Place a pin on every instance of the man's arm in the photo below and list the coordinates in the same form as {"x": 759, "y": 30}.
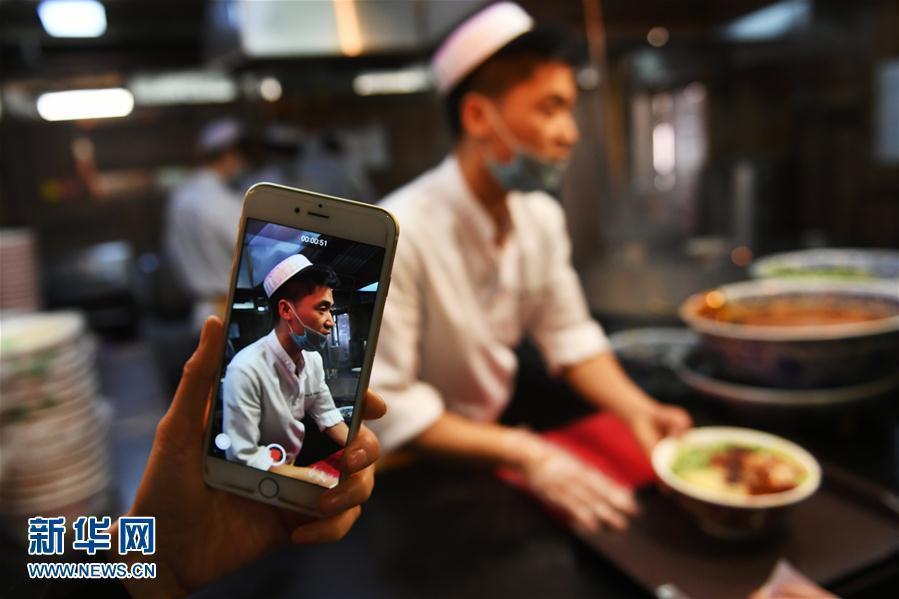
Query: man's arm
{"x": 322, "y": 408}
{"x": 576, "y": 350}
{"x": 241, "y": 418}
{"x": 338, "y": 433}
{"x": 603, "y": 383}
{"x": 484, "y": 443}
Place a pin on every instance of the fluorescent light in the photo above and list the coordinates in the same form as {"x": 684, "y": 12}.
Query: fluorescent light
{"x": 349, "y": 35}
{"x": 406, "y": 81}
{"x": 372, "y": 288}
{"x": 85, "y": 104}
{"x": 72, "y": 18}
{"x": 771, "y": 21}
{"x": 187, "y": 87}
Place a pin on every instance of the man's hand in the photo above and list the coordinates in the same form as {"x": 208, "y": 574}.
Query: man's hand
{"x": 202, "y": 533}
{"x": 588, "y": 497}
{"x": 655, "y": 421}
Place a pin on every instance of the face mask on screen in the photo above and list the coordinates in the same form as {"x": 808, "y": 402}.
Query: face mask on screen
{"x": 310, "y": 340}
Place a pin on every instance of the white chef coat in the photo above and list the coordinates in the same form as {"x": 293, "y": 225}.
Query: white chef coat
{"x": 202, "y": 221}
{"x": 459, "y": 304}
{"x": 265, "y": 400}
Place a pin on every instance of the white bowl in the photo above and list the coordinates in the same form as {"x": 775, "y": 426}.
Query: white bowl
{"x": 728, "y": 515}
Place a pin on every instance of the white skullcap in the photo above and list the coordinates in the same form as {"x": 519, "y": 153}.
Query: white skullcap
{"x": 218, "y": 135}
{"x": 476, "y": 40}
{"x": 285, "y": 269}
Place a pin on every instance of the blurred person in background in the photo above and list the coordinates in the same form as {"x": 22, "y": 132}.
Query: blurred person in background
{"x": 203, "y": 217}
{"x": 484, "y": 259}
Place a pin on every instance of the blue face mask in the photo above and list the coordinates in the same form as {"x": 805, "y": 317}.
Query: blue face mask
{"x": 526, "y": 172}
{"x": 310, "y": 340}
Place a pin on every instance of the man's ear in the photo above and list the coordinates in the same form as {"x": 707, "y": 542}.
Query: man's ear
{"x": 473, "y": 115}
{"x": 282, "y": 308}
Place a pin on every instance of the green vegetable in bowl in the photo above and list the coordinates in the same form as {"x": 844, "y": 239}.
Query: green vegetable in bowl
{"x": 737, "y": 469}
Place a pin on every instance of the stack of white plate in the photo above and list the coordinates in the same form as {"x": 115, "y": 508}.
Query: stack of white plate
{"x": 54, "y": 428}
{"x": 18, "y": 271}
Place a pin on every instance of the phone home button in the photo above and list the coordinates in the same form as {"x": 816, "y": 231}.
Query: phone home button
{"x": 268, "y": 488}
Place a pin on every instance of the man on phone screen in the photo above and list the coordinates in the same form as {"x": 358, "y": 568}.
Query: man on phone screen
{"x": 271, "y": 384}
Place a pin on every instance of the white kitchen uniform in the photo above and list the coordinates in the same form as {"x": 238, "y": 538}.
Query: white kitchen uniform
{"x": 202, "y": 221}
{"x": 459, "y": 304}
{"x": 265, "y": 400}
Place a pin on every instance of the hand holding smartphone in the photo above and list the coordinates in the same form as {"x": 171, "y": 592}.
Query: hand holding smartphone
{"x": 309, "y": 281}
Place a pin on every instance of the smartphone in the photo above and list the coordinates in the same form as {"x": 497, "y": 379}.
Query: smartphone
{"x": 308, "y": 284}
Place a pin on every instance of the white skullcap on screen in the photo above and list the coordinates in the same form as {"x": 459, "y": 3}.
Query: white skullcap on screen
{"x": 476, "y": 40}
{"x": 285, "y": 269}
{"x": 218, "y": 135}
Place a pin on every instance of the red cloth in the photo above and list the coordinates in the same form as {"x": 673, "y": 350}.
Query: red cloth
{"x": 329, "y": 465}
{"x": 605, "y": 442}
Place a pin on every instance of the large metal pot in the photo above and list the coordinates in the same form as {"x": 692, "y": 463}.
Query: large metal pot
{"x": 799, "y": 355}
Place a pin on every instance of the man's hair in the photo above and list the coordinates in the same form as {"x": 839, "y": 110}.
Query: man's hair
{"x": 513, "y": 63}
{"x": 302, "y": 284}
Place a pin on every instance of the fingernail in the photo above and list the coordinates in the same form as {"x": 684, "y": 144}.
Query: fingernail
{"x": 357, "y": 458}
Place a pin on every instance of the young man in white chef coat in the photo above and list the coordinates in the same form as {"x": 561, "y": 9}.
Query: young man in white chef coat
{"x": 203, "y": 217}
{"x": 484, "y": 261}
{"x": 271, "y": 384}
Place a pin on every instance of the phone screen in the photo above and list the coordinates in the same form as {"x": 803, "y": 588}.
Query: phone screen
{"x": 299, "y": 325}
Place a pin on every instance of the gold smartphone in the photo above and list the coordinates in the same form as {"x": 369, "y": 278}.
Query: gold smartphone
{"x": 308, "y": 285}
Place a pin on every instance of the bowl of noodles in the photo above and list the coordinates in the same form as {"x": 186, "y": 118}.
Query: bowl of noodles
{"x": 799, "y": 334}
{"x": 736, "y": 483}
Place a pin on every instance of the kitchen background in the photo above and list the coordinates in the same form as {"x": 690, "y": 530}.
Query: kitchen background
{"x": 713, "y": 132}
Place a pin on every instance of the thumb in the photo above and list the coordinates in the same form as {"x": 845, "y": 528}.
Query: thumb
{"x": 184, "y": 419}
